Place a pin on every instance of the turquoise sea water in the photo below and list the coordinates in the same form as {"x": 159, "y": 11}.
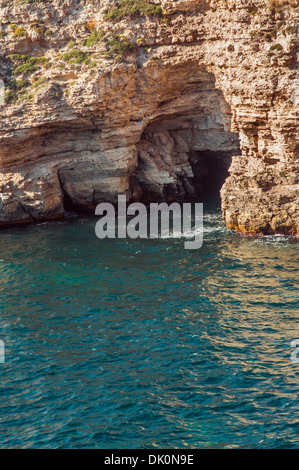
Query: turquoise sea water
{"x": 143, "y": 344}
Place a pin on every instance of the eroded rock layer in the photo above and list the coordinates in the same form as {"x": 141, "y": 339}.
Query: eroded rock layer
{"x": 151, "y": 103}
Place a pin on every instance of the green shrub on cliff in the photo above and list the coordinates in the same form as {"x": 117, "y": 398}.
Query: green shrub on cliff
{"x": 125, "y": 8}
{"x": 281, "y": 3}
{"x": 94, "y": 38}
{"x": 15, "y": 90}
{"x": 118, "y": 47}
{"x": 31, "y": 65}
{"x": 291, "y": 30}
{"x": 10, "y": 97}
{"x": 276, "y": 47}
{"x": 24, "y": 64}
{"x": 76, "y": 56}
{"x": 20, "y": 33}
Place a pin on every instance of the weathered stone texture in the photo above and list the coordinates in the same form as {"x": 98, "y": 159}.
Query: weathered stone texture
{"x": 212, "y": 76}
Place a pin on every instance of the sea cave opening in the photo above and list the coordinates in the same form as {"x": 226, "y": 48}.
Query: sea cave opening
{"x": 177, "y": 146}
{"x": 186, "y": 162}
{"x": 210, "y": 169}
{"x": 187, "y": 144}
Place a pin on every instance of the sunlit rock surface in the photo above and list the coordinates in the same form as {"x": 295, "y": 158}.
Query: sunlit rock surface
{"x": 151, "y": 106}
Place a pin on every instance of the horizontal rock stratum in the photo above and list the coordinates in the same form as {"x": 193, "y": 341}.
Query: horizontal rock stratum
{"x": 138, "y": 98}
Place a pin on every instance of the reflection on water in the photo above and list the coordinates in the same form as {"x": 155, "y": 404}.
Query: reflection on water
{"x": 142, "y": 344}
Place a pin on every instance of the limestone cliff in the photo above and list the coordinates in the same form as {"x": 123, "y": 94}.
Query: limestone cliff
{"x": 151, "y": 100}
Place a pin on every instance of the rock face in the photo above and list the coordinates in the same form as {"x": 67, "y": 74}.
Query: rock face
{"x": 155, "y": 106}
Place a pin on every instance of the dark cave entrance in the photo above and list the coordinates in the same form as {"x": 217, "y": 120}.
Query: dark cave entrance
{"x": 186, "y": 148}
{"x": 176, "y": 144}
{"x": 173, "y": 167}
{"x": 210, "y": 169}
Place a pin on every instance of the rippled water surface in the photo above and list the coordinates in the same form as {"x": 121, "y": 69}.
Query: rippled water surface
{"x": 143, "y": 344}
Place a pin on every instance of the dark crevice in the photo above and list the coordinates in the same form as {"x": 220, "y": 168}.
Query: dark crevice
{"x": 210, "y": 169}
{"x": 69, "y": 207}
{"x": 68, "y": 204}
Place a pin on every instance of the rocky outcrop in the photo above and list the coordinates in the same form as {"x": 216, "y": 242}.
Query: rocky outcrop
{"x": 151, "y": 105}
